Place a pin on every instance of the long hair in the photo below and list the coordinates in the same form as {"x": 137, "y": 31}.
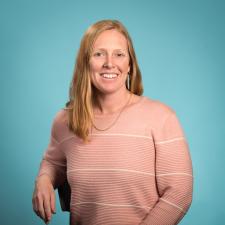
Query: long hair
{"x": 82, "y": 92}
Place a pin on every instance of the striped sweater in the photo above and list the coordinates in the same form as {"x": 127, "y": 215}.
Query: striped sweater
{"x": 138, "y": 172}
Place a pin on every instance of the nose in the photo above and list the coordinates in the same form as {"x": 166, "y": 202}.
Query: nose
{"x": 108, "y": 63}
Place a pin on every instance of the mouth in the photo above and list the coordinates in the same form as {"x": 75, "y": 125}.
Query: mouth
{"x": 109, "y": 76}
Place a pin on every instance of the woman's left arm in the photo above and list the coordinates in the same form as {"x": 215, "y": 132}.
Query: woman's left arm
{"x": 174, "y": 174}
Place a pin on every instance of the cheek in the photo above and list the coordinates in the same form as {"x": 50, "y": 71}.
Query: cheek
{"x": 95, "y": 66}
{"x": 125, "y": 67}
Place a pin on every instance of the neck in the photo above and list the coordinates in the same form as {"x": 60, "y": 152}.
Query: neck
{"x": 110, "y": 103}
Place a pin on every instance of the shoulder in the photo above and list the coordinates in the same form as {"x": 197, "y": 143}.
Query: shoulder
{"x": 155, "y": 112}
{"x": 59, "y": 123}
{"x": 157, "y": 107}
{"x": 60, "y": 116}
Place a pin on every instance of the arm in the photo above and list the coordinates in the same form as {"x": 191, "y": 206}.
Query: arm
{"x": 173, "y": 175}
{"x": 54, "y": 161}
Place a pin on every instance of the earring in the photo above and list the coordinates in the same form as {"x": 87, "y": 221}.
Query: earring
{"x": 128, "y": 81}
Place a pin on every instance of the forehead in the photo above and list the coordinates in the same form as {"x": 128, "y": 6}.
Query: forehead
{"x": 110, "y": 39}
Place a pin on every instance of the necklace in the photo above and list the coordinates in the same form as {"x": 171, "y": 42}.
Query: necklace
{"x": 116, "y": 117}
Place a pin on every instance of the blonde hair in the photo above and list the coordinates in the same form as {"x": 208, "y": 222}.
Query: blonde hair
{"x": 82, "y": 92}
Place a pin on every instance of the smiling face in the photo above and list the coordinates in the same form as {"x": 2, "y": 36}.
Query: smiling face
{"x": 109, "y": 62}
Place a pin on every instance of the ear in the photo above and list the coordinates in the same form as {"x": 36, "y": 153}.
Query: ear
{"x": 128, "y": 69}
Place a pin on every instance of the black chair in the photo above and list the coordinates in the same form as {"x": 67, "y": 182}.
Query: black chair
{"x": 64, "y": 192}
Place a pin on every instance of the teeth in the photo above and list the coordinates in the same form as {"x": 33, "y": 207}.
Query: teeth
{"x": 106, "y": 75}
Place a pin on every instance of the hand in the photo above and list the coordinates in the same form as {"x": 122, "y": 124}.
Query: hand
{"x": 43, "y": 199}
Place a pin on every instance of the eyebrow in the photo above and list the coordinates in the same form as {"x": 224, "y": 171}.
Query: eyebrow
{"x": 114, "y": 49}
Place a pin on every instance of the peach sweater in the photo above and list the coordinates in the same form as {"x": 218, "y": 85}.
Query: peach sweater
{"x": 139, "y": 172}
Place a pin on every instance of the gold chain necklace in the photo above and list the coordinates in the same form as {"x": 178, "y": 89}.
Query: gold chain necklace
{"x": 116, "y": 117}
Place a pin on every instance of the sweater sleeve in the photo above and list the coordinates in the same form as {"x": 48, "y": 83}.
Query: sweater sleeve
{"x": 54, "y": 161}
{"x": 174, "y": 175}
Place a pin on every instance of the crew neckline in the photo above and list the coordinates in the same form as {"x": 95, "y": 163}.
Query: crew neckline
{"x": 126, "y": 108}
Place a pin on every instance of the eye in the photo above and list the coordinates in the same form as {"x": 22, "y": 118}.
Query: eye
{"x": 98, "y": 54}
{"x": 120, "y": 54}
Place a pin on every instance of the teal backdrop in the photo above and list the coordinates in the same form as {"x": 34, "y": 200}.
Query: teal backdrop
{"x": 180, "y": 46}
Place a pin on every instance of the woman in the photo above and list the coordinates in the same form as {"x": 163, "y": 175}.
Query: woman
{"x": 124, "y": 155}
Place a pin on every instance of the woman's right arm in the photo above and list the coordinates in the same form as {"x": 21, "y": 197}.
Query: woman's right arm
{"x": 44, "y": 198}
{"x": 51, "y": 174}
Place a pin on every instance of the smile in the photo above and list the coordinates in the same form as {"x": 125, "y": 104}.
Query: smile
{"x": 109, "y": 75}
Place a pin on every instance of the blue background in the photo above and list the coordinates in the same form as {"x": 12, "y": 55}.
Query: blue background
{"x": 180, "y": 46}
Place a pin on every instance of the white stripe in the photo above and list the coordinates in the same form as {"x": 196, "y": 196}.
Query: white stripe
{"x": 52, "y": 161}
{"x": 171, "y": 140}
{"x": 169, "y": 174}
{"x": 115, "y": 205}
{"x": 121, "y": 170}
{"x": 131, "y": 171}
{"x": 121, "y": 134}
{"x": 67, "y": 138}
{"x": 170, "y": 203}
{"x": 54, "y": 140}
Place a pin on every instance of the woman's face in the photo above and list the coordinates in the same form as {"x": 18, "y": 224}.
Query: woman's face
{"x": 109, "y": 62}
